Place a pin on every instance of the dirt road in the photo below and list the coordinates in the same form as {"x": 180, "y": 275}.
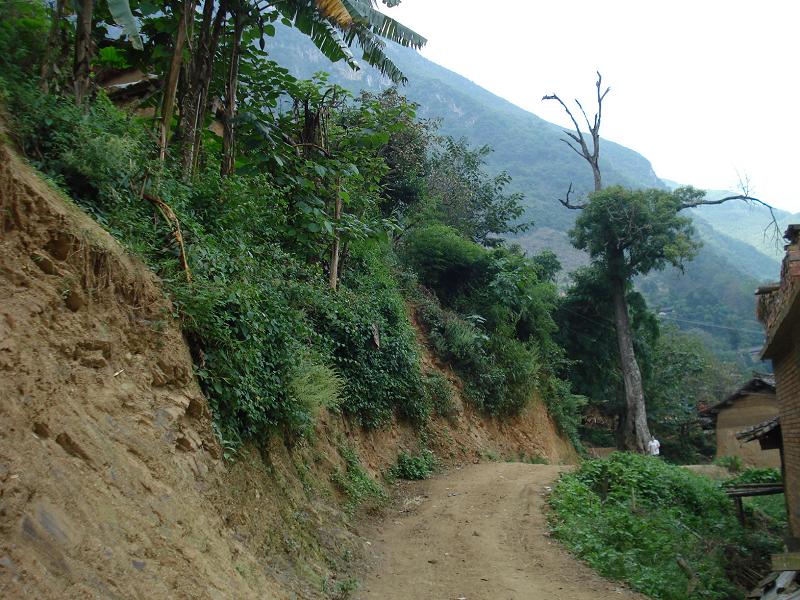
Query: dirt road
{"x": 478, "y": 533}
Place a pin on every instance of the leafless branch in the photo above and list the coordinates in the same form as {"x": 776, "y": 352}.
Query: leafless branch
{"x": 593, "y": 156}
{"x": 585, "y": 117}
{"x": 745, "y": 197}
{"x": 565, "y": 201}
{"x": 567, "y": 142}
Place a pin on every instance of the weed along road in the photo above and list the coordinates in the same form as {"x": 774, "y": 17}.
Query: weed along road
{"x": 478, "y": 533}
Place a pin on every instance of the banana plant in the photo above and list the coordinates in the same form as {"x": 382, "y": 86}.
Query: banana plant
{"x": 81, "y": 67}
{"x": 333, "y": 26}
{"x": 123, "y": 16}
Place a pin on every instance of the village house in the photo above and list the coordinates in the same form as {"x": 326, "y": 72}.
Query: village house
{"x": 779, "y": 311}
{"x": 752, "y": 404}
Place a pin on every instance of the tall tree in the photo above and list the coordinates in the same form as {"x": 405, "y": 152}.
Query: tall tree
{"x": 628, "y": 233}
{"x": 636, "y": 434}
{"x": 587, "y": 332}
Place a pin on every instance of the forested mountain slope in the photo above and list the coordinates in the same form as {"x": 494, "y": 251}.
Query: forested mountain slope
{"x": 716, "y": 289}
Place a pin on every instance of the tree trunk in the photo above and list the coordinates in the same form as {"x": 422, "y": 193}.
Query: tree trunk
{"x": 202, "y": 105}
{"x": 334, "y": 266}
{"x": 636, "y": 434}
{"x": 81, "y": 67}
{"x": 198, "y": 81}
{"x": 171, "y": 85}
{"x": 598, "y": 182}
{"x": 229, "y": 133}
{"x": 57, "y": 47}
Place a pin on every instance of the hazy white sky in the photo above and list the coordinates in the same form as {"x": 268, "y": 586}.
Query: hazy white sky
{"x": 705, "y": 89}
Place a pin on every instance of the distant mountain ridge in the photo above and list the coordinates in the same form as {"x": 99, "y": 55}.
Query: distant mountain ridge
{"x": 542, "y": 167}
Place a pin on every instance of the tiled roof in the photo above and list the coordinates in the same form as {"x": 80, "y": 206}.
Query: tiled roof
{"x": 756, "y": 431}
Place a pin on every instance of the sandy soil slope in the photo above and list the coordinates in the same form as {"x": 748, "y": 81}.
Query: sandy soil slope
{"x": 106, "y": 448}
{"x": 479, "y": 533}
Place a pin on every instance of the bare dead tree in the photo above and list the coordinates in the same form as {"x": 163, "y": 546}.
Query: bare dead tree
{"x": 636, "y": 433}
{"x": 582, "y": 149}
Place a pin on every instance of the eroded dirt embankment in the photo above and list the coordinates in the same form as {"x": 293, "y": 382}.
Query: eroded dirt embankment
{"x": 106, "y": 450}
{"x": 112, "y": 484}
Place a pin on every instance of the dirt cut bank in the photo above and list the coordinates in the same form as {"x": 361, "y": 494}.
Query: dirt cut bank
{"x": 106, "y": 448}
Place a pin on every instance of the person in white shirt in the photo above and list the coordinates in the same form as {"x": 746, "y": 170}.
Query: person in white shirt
{"x": 653, "y": 447}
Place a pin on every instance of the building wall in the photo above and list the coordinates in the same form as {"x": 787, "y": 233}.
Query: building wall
{"x": 746, "y": 411}
{"x": 787, "y": 377}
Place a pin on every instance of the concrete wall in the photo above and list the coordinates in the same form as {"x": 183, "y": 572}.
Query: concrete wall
{"x": 787, "y": 376}
{"x": 746, "y": 411}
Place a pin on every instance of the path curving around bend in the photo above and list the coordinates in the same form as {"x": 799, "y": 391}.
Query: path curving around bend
{"x": 478, "y": 533}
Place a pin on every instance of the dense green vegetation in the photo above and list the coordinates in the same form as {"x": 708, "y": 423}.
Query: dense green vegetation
{"x": 529, "y": 149}
{"x": 301, "y": 255}
{"x": 667, "y": 532}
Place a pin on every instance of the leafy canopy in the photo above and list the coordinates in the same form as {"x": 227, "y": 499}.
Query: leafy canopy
{"x": 645, "y": 225}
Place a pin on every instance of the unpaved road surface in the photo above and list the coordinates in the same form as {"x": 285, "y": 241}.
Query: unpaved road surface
{"x": 479, "y": 533}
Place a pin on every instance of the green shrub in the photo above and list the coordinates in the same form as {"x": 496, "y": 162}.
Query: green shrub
{"x": 636, "y": 518}
{"x": 23, "y": 36}
{"x": 734, "y": 464}
{"x": 446, "y": 262}
{"x": 415, "y": 466}
{"x": 316, "y": 386}
{"x": 365, "y": 329}
{"x": 565, "y": 407}
{"x": 441, "y": 394}
{"x": 500, "y": 373}
{"x": 756, "y": 475}
{"x": 355, "y": 482}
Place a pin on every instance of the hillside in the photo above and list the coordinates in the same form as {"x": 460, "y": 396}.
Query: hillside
{"x": 114, "y": 483}
{"x": 530, "y": 150}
